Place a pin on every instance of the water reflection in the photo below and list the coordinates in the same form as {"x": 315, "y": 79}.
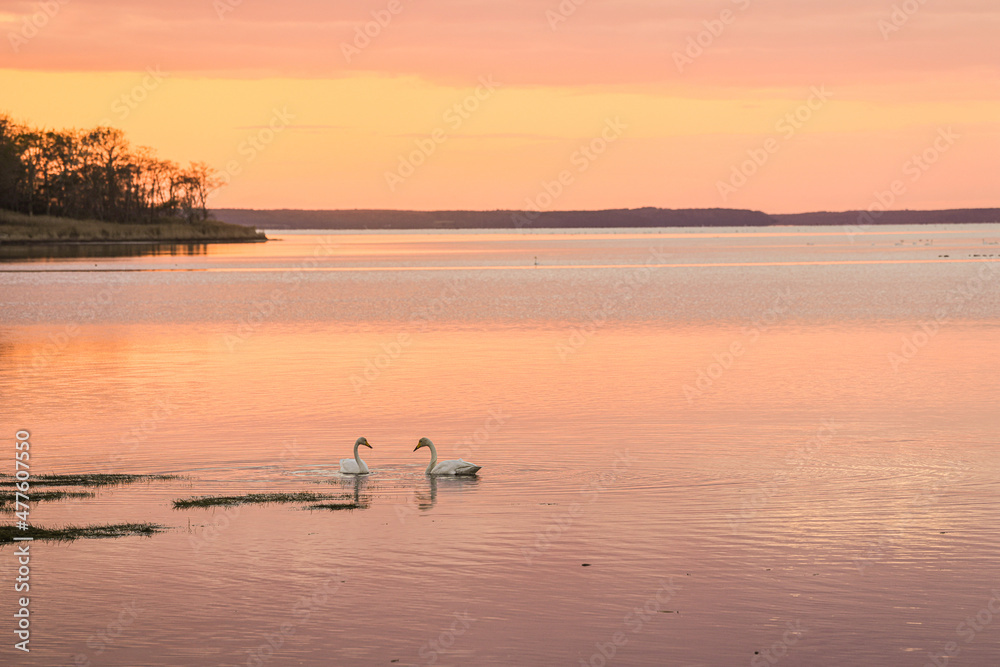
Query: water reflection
{"x": 362, "y": 501}
{"x": 730, "y": 483}
{"x": 46, "y": 252}
{"x": 426, "y": 499}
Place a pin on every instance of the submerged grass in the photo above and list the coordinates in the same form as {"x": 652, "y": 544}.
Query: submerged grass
{"x": 8, "y": 533}
{"x": 334, "y": 506}
{"x": 8, "y": 498}
{"x": 250, "y": 498}
{"x": 87, "y": 479}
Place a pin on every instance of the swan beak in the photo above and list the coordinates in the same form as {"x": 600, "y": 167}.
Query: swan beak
{"x": 419, "y": 445}
{"x": 367, "y": 445}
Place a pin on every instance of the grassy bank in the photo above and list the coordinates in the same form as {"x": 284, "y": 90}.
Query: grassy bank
{"x": 17, "y": 228}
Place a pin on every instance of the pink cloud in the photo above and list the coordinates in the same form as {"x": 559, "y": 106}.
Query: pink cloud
{"x": 769, "y": 43}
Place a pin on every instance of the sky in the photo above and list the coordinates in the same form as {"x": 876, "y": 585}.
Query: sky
{"x": 775, "y": 105}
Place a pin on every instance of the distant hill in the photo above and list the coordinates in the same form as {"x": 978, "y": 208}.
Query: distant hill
{"x": 952, "y": 216}
{"x": 636, "y": 217}
{"x": 380, "y": 219}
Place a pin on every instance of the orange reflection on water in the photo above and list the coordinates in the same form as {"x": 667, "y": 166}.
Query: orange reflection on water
{"x": 568, "y": 381}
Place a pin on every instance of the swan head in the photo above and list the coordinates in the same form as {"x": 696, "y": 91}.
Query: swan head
{"x": 362, "y": 441}
{"x": 423, "y": 442}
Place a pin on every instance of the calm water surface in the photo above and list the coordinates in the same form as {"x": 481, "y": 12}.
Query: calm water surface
{"x": 781, "y": 441}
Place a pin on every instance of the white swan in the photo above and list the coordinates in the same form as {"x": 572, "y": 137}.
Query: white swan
{"x": 356, "y": 466}
{"x": 452, "y": 467}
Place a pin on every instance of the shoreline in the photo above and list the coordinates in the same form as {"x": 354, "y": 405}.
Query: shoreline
{"x": 60, "y": 242}
{"x": 22, "y": 230}
{"x": 644, "y": 228}
{"x": 513, "y": 220}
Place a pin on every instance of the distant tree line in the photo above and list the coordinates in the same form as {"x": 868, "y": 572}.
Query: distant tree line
{"x": 636, "y": 217}
{"x": 498, "y": 219}
{"x": 96, "y": 174}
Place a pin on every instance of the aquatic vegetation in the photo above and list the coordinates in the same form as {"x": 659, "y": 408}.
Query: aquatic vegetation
{"x": 251, "y": 499}
{"x": 84, "y": 479}
{"x": 8, "y": 533}
{"x": 335, "y": 506}
{"x": 8, "y": 498}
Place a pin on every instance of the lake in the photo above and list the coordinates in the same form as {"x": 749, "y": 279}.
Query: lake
{"x": 698, "y": 447}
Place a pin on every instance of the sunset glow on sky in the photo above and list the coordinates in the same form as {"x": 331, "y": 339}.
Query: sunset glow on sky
{"x": 776, "y": 105}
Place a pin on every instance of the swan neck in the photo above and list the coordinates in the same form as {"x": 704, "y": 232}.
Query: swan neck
{"x": 356, "y": 457}
{"x": 434, "y": 457}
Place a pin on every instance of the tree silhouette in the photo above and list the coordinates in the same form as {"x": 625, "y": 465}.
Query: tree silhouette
{"x": 97, "y": 174}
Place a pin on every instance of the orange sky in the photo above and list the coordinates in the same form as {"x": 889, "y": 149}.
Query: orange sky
{"x": 612, "y": 104}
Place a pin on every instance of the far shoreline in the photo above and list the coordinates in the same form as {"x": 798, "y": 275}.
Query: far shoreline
{"x": 18, "y": 230}
{"x": 279, "y": 220}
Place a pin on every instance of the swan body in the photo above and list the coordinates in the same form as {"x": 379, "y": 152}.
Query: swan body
{"x": 450, "y": 467}
{"x": 356, "y": 466}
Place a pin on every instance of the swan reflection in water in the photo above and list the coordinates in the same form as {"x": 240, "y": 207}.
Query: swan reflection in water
{"x": 360, "y": 501}
{"x": 359, "y": 493}
{"x": 426, "y": 499}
